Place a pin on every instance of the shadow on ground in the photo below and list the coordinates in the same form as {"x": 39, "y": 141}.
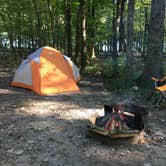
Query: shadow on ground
{"x": 41, "y": 131}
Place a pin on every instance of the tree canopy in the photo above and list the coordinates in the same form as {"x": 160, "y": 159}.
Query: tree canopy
{"x": 82, "y": 28}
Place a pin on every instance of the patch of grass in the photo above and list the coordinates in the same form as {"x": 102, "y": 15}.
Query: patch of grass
{"x": 107, "y": 68}
{"x": 118, "y": 81}
{"x": 10, "y": 62}
{"x": 93, "y": 69}
{"x": 114, "y": 84}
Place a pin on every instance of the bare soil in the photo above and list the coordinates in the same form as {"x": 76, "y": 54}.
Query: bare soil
{"x": 52, "y": 131}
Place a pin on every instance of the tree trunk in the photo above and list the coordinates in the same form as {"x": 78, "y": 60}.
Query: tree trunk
{"x": 122, "y": 27}
{"x": 68, "y": 32}
{"x": 77, "y": 37}
{"x": 52, "y": 22}
{"x": 114, "y": 24}
{"x": 39, "y": 25}
{"x": 11, "y": 41}
{"x": 91, "y": 28}
{"x": 19, "y": 41}
{"x": 130, "y": 28}
{"x": 31, "y": 32}
{"x": 83, "y": 35}
{"x": 154, "y": 60}
{"x": 145, "y": 32}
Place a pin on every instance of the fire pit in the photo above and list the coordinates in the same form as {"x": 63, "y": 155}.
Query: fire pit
{"x": 120, "y": 120}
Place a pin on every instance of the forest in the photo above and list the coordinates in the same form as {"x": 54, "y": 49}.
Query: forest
{"x": 87, "y": 29}
{"x": 117, "y": 53}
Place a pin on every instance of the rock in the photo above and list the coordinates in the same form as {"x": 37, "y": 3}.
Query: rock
{"x": 22, "y": 108}
{"x": 162, "y": 120}
{"x": 17, "y": 152}
{"x": 45, "y": 159}
{"x": 10, "y": 150}
{"x": 11, "y": 126}
{"x": 85, "y": 140}
{"x": 128, "y": 152}
{"x": 29, "y": 147}
{"x": 88, "y": 155}
{"x": 135, "y": 88}
{"x": 147, "y": 164}
{"x": 31, "y": 142}
{"x": 51, "y": 139}
{"x": 122, "y": 154}
{"x": 147, "y": 145}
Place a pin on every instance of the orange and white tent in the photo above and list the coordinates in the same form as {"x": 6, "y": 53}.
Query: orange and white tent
{"x": 47, "y": 72}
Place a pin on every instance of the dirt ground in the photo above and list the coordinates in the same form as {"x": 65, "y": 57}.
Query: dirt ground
{"x": 52, "y": 131}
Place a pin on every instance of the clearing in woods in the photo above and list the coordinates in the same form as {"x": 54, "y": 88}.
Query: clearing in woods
{"x": 37, "y": 130}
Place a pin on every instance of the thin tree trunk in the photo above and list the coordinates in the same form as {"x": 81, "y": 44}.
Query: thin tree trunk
{"x": 11, "y": 42}
{"x": 91, "y": 28}
{"x": 122, "y": 27}
{"x": 68, "y": 33}
{"x": 130, "y": 28}
{"x": 11, "y": 38}
{"x": 139, "y": 34}
{"x": 92, "y": 52}
{"x": 52, "y": 22}
{"x": 19, "y": 35}
{"x": 145, "y": 32}
{"x": 115, "y": 53}
{"x": 77, "y": 37}
{"x": 83, "y": 35}
{"x": 39, "y": 24}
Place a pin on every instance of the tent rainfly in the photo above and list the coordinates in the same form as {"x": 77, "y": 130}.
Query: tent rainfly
{"x": 47, "y": 72}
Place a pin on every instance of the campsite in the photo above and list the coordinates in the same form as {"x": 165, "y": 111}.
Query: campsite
{"x": 37, "y": 130}
{"x": 83, "y": 83}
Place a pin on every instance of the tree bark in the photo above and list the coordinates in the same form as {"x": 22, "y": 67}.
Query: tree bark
{"x": 68, "y": 32}
{"x": 52, "y": 22}
{"x": 91, "y": 28}
{"x": 11, "y": 41}
{"x": 114, "y": 24}
{"x": 39, "y": 25}
{"x": 154, "y": 60}
{"x": 130, "y": 28}
{"x": 19, "y": 34}
{"x": 83, "y": 35}
{"x": 145, "y": 32}
{"x": 31, "y": 33}
{"x": 122, "y": 44}
{"x": 77, "y": 37}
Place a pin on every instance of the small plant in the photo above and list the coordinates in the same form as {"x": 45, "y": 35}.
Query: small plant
{"x": 118, "y": 81}
{"x": 94, "y": 69}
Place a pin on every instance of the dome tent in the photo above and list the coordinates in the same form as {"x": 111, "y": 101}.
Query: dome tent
{"x": 47, "y": 71}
